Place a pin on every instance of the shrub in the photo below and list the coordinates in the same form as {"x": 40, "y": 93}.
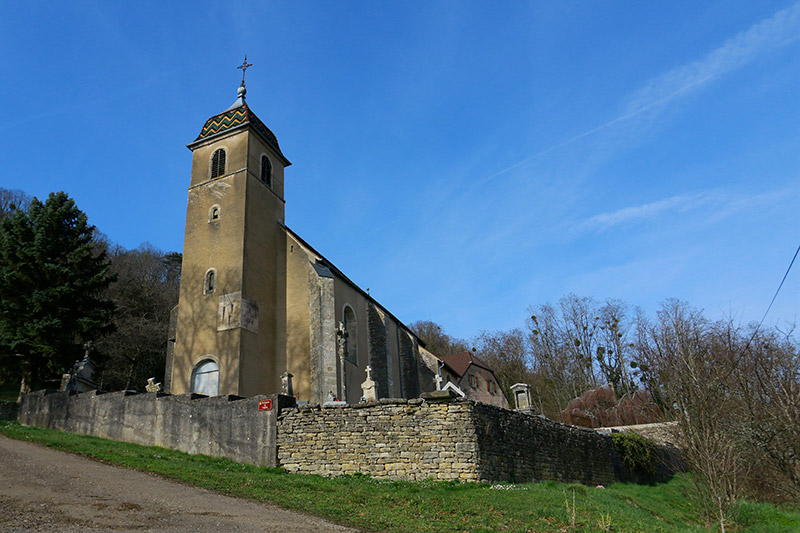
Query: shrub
{"x": 637, "y": 453}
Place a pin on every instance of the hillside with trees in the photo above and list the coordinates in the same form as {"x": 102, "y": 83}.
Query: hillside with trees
{"x": 63, "y": 284}
{"x": 732, "y": 390}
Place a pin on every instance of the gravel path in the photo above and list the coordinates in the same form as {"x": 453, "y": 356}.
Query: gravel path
{"x": 47, "y": 490}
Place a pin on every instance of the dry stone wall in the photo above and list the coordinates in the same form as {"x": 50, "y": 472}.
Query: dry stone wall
{"x": 520, "y": 447}
{"x": 392, "y": 439}
{"x": 463, "y": 440}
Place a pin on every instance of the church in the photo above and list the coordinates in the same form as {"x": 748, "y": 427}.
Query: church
{"x": 260, "y": 310}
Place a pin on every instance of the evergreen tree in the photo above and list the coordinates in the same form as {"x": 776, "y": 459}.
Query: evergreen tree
{"x": 52, "y": 280}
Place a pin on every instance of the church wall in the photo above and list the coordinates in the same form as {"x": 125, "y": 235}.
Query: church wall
{"x": 235, "y": 145}
{"x": 410, "y": 365}
{"x": 355, "y": 374}
{"x": 383, "y": 343}
{"x": 393, "y": 359}
{"x": 428, "y": 369}
{"x": 211, "y": 244}
{"x": 322, "y": 334}
{"x": 376, "y": 327}
{"x": 264, "y": 276}
{"x": 258, "y": 148}
{"x": 298, "y": 326}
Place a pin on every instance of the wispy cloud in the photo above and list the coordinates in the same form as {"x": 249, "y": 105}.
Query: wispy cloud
{"x": 641, "y": 212}
{"x": 716, "y": 203}
{"x": 769, "y": 34}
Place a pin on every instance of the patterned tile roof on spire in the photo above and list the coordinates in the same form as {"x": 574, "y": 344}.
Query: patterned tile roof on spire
{"x": 235, "y": 117}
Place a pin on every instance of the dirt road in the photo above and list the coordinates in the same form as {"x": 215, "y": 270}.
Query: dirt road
{"x": 47, "y": 490}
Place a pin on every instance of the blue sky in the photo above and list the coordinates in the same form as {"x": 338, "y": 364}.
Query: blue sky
{"x": 463, "y": 160}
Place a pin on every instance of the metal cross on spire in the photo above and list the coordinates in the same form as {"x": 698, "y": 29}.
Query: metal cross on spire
{"x": 244, "y": 66}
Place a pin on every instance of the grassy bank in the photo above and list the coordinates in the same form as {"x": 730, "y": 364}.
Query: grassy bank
{"x": 375, "y": 505}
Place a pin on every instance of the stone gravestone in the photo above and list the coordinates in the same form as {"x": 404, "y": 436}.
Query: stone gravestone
{"x": 286, "y": 384}
{"x": 368, "y": 392}
{"x": 522, "y": 398}
{"x": 80, "y": 377}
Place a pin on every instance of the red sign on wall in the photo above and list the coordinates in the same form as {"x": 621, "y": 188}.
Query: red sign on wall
{"x": 265, "y": 405}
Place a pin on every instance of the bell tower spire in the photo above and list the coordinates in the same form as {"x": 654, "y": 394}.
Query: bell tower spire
{"x": 230, "y": 333}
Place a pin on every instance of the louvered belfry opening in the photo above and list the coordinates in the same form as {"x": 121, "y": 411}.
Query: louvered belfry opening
{"x": 218, "y": 163}
{"x": 266, "y": 171}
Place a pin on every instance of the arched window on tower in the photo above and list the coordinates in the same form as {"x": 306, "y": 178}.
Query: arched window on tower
{"x": 351, "y": 328}
{"x": 205, "y": 378}
{"x": 266, "y": 171}
{"x": 213, "y": 213}
{"x": 218, "y": 163}
{"x": 211, "y": 281}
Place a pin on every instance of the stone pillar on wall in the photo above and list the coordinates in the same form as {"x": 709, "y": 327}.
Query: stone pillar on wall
{"x": 322, "y": 333}
{"x": 409, "y": 364}
{"x": 376, "y": 330}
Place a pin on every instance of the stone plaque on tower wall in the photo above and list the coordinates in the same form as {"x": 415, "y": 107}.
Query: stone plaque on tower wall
{"x": 236, "y": 312}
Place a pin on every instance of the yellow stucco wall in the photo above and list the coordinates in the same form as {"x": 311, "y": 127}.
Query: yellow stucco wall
{"x": 246, "y": 247}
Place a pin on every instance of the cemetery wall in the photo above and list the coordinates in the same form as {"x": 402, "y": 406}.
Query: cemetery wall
{"x": 221, "y": 426}
{"x": 520, "y": 447}
{"x": 398, "y": 439}
{"x": 407, "y": 439}
{"x": 465, "y": 440}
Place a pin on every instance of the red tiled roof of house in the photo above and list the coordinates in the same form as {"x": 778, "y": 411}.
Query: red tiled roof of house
{"x": 460, "y": 362}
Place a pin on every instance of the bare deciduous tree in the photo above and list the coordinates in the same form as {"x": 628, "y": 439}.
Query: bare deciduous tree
{"x": 436, "y": 340}
{"x": 145, "y": 292}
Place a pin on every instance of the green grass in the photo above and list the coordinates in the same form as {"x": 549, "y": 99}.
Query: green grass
{"x": 397, "y": 506}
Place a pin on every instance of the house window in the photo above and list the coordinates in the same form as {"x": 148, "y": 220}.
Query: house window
{"x": 473, "y": 381}
{"x": 492, "y": 387}
{"x": 205, "y": 378}
{"x": 218, "y": 163}
{"x": 211, "y": 281}
{"x": 266, "y": 171}
{"x": 213, "y": 213}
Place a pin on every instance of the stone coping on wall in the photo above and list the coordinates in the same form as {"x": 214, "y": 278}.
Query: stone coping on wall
{"x": 663, "y": 433}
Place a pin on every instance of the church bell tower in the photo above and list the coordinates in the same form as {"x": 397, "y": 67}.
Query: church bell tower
{"x": 231, "y": 319}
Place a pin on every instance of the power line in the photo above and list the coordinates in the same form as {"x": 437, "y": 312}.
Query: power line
{"x": 779, "y": 287}
{"x": 755, "y": 332}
